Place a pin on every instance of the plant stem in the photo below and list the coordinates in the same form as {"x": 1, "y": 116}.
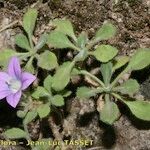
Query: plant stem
{"x": 76, "y": 48}
{"x": 28, "y": 134}
{"x": 118, "y": 77}
{"x": 107, "y": 100}
{"x": 31, "y": 42}
{"x": 117, "y": 96}
{"x": 90, "y": 53}
{"x": 93, "y": 77}
{"x": 74, "y": 38}
{"x": 98, "y": 90}
{"x": 24, "y": 55}
{"x": 92, "y": 43}
{"x": 117, "y": 89}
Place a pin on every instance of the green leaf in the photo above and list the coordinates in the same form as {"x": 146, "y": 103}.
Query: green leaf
{"x": 31, "y": 115}
{"x": 120, "y": 61}
{"x": 29, "y": 21}
{"x": 107, "y": 31}
{"x": 57, "y": 100}
{"x": 40, "y": 92}
{"x": 5, "y": 55}
{"x": 64, "y": 26}
{"x": 48, "y": 83}
{"x": 43, "y": 110}
{"x": 47, "y": 60}
{"x": 42, "y": 41}
{"x": 59, "y": 40}
{"x": 85, "y": 92}
{"x": 106, "y": 70}
{"x": 65, "y": 93}
{"x": 130, "y": 87}
{"x": 82, "y": 55}
{"x": 104, "y": 53}
{"x": 15, "y": 133}
{"x": 110, "y": 113}
{"x": 21, "y": 114}
{"x": 75, "y": 71}
{"x": 22, "y": 41}
{"x": 141, "y": 109}
{"x": 62, "y": 76}
{"x": 29, "y": 66}
{"x": 82, "y": 40}
{"x": 140, "y": 60}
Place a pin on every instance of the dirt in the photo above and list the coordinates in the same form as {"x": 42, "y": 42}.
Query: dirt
{"x": 132, "y": 19}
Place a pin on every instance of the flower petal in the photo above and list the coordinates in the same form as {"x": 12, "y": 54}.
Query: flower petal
{"x": 14, "y": 68}
{"x": 27, "y": 79}
{"x": 4, "y": 77}
{"x": 14, "y": 99}
{"x": 4, "y": 90}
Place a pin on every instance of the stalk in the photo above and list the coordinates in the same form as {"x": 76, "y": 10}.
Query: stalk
{"x": 118, "y": 77}
{"x": 93, "y": 77}
{"x": 27, "y": 134}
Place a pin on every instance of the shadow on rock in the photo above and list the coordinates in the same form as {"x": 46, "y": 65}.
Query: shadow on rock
{"x": 85, "y": 119}
{"x": 138, "y": 123}
{"x": 109, "y": 136}
{"x": 8, "y": 115}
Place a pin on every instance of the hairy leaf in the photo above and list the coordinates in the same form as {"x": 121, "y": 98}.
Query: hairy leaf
{"x": 40, "y": 92}
{"x": 62, "y": 76}
{"x": 81, "y": 56}
{"x": 22, "y": 41}
{"x": 21, "y": 114}
{"x": 140, "y": 60}
{"x": 57, "y": 100}
{"x": 59, "y": 40}
{"x": 47, "y": 60}
{"x": 29, "y": 66}
{"x": 65, "y": 93}
{"x": 64, "y": 26}
{"x": 107, "y": 31}
{"x": 5, "y": 55}
{"x": 31, "y": 115}
{"x": 75, "y": 71}
{"x": 104, "y": 53}
{"x": 85, "y": 92}
{"x": 29, "y": 21}
{"x": 82, "y": 40}
{"x": 42, "y": 41}
{"x": 106, "y": 70}
{"x": 140, "y": 109}
{"x": 120, "y": 61}
{"x": 15, "y": 133}
{"x": 130, "y": 87}
{"x": 48, "y": 83}
{"x": 43, "y": 110}
{"x": 109, "y": 113}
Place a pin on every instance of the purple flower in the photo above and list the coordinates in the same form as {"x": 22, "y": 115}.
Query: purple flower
{"x": 13, "y": 82}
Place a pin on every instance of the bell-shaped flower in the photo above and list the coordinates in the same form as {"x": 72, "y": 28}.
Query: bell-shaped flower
{"x": 13, "y": 82}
